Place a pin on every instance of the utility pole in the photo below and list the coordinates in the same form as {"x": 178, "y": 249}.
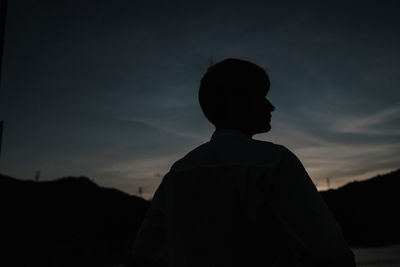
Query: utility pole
{"x": 1, "y": 134}
{"x": 37, "y": 176}
{"x": 3, "y": 11}
{"x": 140, "y": 191}
{"x": 328, "y": 182}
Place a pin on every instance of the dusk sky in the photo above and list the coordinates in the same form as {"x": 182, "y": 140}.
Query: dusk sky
{"x": 108, "y": 89}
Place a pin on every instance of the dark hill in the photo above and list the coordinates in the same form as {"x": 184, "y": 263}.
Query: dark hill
{"x": 67, "y": 222}
{"x": 368, "y": 211}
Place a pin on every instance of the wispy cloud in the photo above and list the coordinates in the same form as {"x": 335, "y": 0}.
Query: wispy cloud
{"x": 334, "y": 145}
{"x": 146, "y": 173}
{"x": 371, "y": 124}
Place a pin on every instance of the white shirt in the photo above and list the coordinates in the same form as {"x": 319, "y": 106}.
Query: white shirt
{"x": 236, "y": 201}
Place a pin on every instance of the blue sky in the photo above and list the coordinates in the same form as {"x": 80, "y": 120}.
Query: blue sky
{"x": 109, "y": 89}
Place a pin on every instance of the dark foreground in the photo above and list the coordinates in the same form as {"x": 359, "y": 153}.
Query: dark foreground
{"x": 74, "y": 222}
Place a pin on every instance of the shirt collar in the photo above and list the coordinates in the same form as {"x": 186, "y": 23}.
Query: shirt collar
{"x": 223, "y": 133}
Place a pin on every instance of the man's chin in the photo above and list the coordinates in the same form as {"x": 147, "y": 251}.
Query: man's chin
{"x": 264, "y": 129}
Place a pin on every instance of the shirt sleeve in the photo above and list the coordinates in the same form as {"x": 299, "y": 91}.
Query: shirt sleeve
{"x": 149, "y": 248}
{"x": 305, "y": 215}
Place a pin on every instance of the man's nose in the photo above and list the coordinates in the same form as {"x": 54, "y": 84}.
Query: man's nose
{"x": 270, "y": 106}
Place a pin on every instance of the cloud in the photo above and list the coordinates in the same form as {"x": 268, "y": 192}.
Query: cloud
{"x": 380, "y": 123}
{"x": 146, "y": 172}
{"x": 340, "y": 146}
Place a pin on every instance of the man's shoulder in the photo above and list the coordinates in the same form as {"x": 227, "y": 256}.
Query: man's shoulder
{"x": 195, "y": 155}
{"x": 252, "y": 152}
{"x": 268, "y": 146}
{"x": 270, "y": 152}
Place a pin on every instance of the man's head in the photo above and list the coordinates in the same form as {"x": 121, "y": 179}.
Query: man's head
{"x": 232, "y": 95}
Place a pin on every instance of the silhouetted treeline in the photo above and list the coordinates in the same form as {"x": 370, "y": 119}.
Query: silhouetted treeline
{"x": 368, "y": 211}
{"x": 74, "y": 222}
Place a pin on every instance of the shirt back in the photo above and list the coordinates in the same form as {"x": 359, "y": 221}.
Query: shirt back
{"x": 215, "y": 207}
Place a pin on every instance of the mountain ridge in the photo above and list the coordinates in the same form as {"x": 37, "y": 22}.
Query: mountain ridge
{"x": 67, "y": 222}
{"x": 367, "y": 210}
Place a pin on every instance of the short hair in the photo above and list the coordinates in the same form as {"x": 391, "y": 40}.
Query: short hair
{"x": 227, "y": 81}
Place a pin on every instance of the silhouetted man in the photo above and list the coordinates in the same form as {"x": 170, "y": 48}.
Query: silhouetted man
{"x": 236, "y": 201}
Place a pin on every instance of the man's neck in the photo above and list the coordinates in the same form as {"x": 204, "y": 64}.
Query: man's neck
{"x": 248, "y": 133}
